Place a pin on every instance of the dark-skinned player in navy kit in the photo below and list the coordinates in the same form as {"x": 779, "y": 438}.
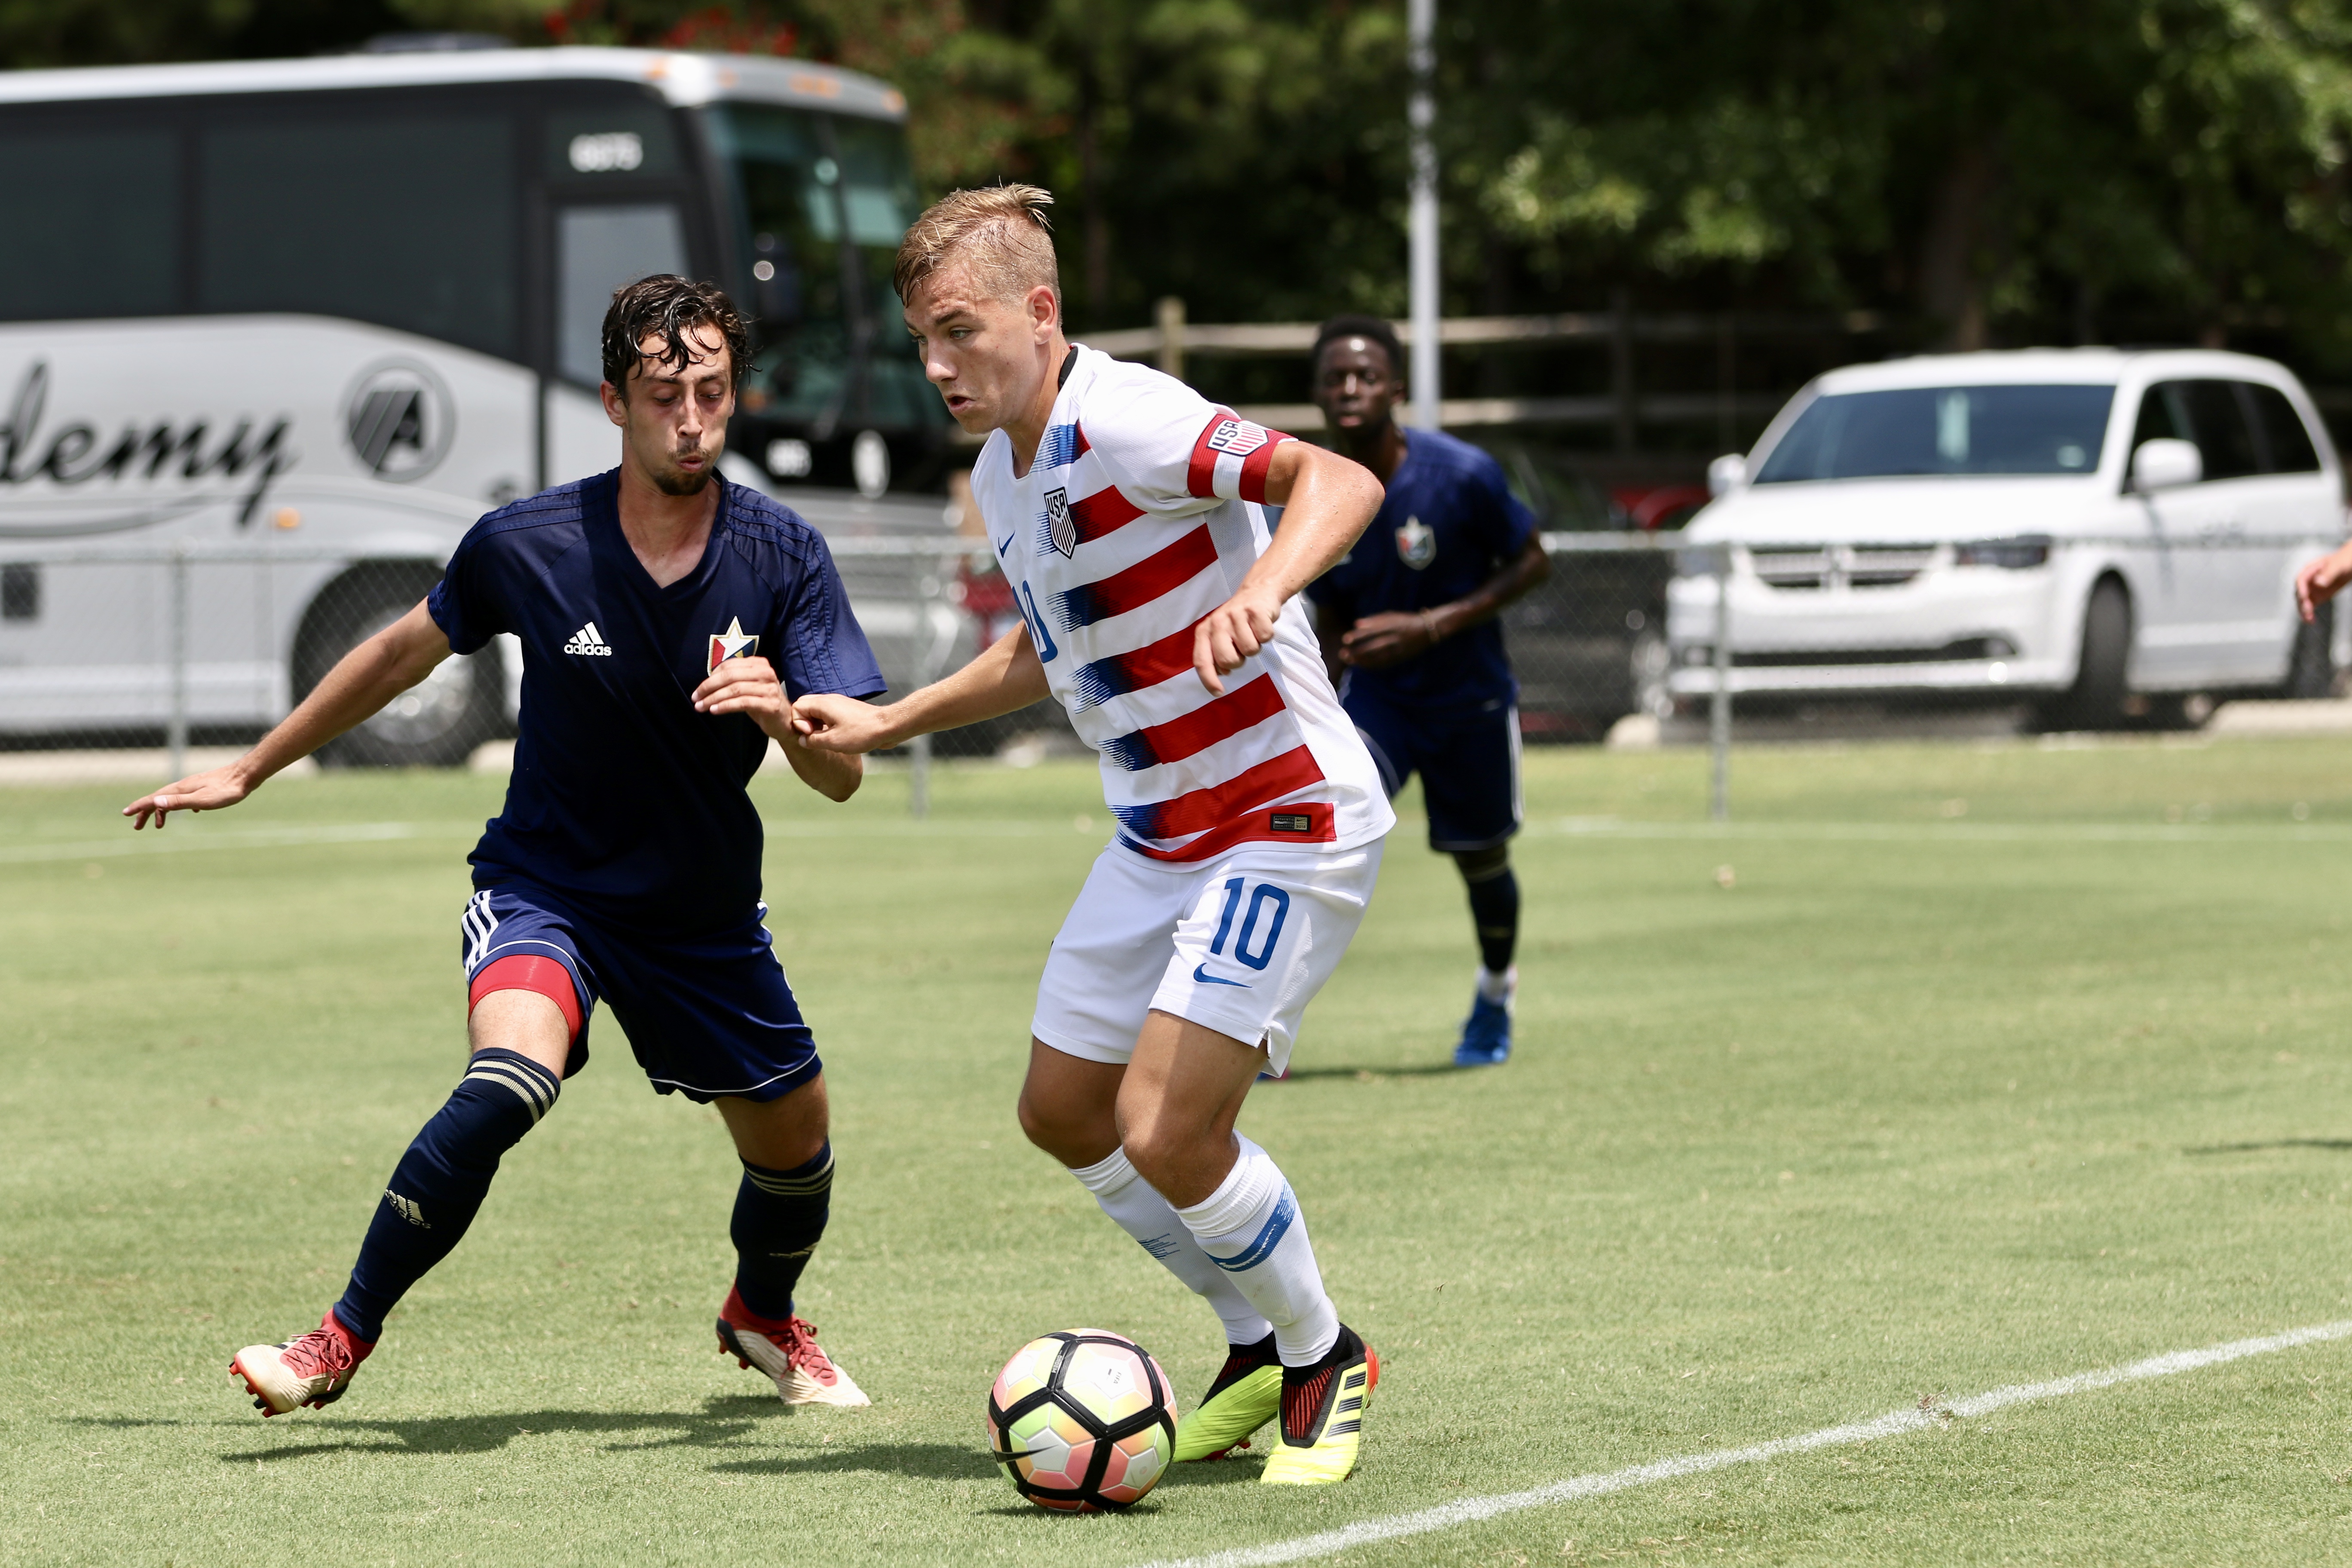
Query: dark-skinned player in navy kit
{"x": 1408, "y": 625}
{"x": 669, "y": 619}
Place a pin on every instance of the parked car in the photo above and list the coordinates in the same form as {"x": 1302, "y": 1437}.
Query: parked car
{"x": 1589, "y": 643}
{"x": 2110, "y": 536}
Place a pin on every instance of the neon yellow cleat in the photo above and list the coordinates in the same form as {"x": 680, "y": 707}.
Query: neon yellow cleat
{"x": 1246, "y": 1395}
{"x": 1323, "y": 1418}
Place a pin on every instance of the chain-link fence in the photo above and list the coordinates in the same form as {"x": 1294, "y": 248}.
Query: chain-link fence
{"x": 1638, "y": 639}
{"x": 1647, "y": 639}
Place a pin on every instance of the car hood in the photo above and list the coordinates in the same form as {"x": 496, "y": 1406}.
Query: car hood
{"x": 1888, "y": 510}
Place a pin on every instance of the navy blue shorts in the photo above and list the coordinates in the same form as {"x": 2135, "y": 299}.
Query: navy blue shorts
{"x": 708, "y": 1017}
{"x": 1468, "y": 760}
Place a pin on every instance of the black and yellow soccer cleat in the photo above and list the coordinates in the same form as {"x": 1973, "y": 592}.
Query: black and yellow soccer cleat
{"x": 1323, "y": 1415}
{"x": 1246, "y": 1395}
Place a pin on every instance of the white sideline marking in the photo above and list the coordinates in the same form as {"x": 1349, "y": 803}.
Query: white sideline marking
{"x": 151, "y": 843}
{"x": 1470, "y": 1510}
{"x": 1953, "y": 832}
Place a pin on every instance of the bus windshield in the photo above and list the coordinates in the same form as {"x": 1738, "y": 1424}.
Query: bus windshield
{"x": 820, "y": 202}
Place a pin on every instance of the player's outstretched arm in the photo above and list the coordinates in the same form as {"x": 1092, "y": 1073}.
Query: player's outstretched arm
{"x": 1326, "y": 502}
{"x": 367, "y": 677}
{"x": 2322, "y": 580}
{"x": 750, "y": 686}
{"x": 1005, "y": 678}
{"x": 1392, "y": 636}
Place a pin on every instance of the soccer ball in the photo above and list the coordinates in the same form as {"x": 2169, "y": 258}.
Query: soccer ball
{"x": 1082, "y": 1420}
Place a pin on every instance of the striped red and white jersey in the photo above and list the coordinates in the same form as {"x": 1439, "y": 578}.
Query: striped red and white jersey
{"x": 1141, "y": 513}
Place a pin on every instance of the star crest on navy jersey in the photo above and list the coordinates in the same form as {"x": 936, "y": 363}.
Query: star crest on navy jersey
{"x": 1061, "y": 527}
{"x": 1416, "y": 543}
{"x": 732, "y": 643}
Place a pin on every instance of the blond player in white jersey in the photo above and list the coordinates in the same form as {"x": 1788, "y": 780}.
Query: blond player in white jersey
{"x": 1160, "y": 610}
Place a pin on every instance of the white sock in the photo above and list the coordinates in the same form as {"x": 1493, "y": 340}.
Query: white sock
{"x": 1502, "y": 988}
{"x": 1136, "y": 1206}
{"x": 1251, "y": 1230}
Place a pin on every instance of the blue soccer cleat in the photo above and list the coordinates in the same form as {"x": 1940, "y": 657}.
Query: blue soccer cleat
{"x": 1485, "y": 1036}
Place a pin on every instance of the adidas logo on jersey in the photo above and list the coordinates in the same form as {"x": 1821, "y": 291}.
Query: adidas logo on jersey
{"x": 588, "y": 641}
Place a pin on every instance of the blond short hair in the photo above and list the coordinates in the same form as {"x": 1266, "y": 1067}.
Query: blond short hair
{"x": 1001, "y": 231}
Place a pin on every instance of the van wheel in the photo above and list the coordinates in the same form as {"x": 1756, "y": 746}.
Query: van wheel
{"x": 2095, "y": 701}
{"x": 437, "y": 722}
{"x": 2311, "y": 667}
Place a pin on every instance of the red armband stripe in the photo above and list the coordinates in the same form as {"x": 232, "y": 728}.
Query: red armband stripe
{"x": 1254, "y": 466}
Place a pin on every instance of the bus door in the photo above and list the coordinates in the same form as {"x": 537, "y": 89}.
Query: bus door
{"x": 618, "y": 214}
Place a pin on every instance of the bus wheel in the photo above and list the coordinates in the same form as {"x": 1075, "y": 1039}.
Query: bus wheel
{"x": 2096, "y": 701}
{"x": 437, "y": 722}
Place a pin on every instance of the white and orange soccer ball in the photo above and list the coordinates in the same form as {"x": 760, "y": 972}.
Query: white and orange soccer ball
{"x": 1082, "y": 1420}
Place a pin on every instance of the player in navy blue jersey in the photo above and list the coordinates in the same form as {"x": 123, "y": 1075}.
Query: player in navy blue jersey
{"x": 1408, "y": 623}
{"x": 669, "y": 619}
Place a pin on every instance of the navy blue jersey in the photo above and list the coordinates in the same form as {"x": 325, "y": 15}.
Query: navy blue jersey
{"x": 624, "y": 799}
{"x": 1449, "y": 523}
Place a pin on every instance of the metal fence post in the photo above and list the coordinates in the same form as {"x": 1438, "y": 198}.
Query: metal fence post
{"x": 1718, "y": 711}
{"x": 929, "y": 591}
{"x": 176, "y": 735}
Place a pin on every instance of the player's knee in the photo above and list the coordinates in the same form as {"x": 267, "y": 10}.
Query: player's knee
{"x": 1483, "y": 865}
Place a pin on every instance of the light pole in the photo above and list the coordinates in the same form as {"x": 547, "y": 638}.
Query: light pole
{"x": 1421, "y": 20}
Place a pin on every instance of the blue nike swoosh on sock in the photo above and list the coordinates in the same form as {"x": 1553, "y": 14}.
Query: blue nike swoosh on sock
{"x": 1201, "y": 972}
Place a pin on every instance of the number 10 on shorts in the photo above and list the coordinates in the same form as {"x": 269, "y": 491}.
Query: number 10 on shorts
{"x": 1267, "y": 903}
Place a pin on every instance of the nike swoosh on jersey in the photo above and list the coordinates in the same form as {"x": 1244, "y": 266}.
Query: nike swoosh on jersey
{"x": 1002, "y": 548}
{"x": 1201, "y": 972}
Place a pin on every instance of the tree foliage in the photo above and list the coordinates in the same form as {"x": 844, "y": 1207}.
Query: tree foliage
{"x": 1989, "y": 170}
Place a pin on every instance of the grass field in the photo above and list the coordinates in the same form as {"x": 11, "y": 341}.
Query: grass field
{"x": 1978, "y": 1072}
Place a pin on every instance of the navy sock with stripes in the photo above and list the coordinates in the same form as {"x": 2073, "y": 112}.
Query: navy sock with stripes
{"x": 1494, "y": 905}
{"x": 442, "y": 1180}
{"x": 779, "y": 1218}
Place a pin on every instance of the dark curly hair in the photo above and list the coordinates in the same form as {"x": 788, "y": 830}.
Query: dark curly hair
{"x": 668, "y": 305}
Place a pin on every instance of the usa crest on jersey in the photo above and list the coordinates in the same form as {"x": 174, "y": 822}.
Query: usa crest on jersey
{"x": 732, "y": 643}
{"x": 1061, "y": 527}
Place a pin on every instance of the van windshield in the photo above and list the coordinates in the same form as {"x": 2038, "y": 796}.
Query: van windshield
{"x": 2036, "y": 429}
{"x": 821, "y": 202}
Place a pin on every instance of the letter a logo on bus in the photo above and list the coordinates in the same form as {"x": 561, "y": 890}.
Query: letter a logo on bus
{"x": 399, "y": 419}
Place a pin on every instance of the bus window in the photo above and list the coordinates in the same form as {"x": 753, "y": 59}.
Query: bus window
{"x": 877, "y": 193}
{"x": 599, "y": 249}
{"x": 93, "y": 221}
{"x": 788, "y": 222}
{"x": 407, "y": 222}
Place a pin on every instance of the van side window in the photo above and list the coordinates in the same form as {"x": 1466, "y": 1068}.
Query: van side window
{"x": 408, "y": 221}
{"x": 2207, "y": 413}
{"x": 92, "y": 221}
{"x": 2286, "y": 444}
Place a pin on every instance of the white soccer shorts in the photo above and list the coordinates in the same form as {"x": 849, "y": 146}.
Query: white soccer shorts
{"x": 1239, "y": 944}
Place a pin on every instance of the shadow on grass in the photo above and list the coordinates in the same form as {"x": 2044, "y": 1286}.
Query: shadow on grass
{"x": 1370, "y": 1075}
{"x": 2336, "y": 1144}
{"x": 721, "y": 1422}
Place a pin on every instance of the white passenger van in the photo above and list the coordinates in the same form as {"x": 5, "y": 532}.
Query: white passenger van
{"x": 337, "y": 308}
{"x": 2110, "y": 536}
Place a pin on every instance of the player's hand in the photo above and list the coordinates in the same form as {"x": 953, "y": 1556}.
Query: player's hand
{"x": 207, "y": 790}
{"x": 1376, "y": 642}
{"x": 746, "y": 685}
{"x": 827, "y": 722}
{"x": 1230, "y": 633}
{"x": 2322, "y": 580}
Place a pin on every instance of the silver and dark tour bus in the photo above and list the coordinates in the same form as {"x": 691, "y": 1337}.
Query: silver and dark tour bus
{"x": 273, "y": 334}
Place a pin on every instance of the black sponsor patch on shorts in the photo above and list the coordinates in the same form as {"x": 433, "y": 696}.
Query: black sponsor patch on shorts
{"x": 1291, "y": 822}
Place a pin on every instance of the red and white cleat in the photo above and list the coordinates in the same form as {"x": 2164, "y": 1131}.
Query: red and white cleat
{"x": 787, "y": 1352}
{"x": 313, "y": 1370}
